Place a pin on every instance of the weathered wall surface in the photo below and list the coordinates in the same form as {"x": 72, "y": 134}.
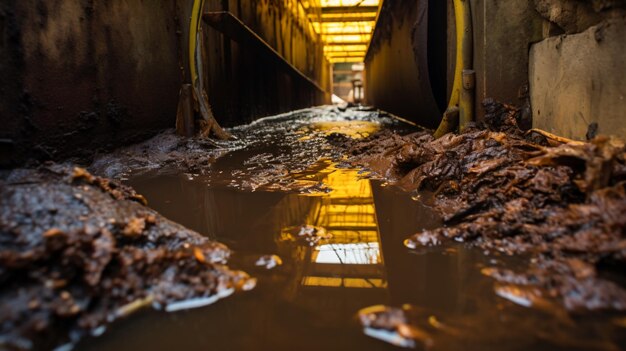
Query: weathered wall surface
{"x": 83, "y": 75}
{"x": 409, "y": 51}
{"x": 578, "y": 80}
{"x": 396, "y": 66}
{"x": 78, "y": 76}
{"x": 260, "y": 86}
{"x": 503, "y": 33}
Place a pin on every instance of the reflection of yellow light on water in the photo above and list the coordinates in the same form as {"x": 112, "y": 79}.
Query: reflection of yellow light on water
{"x": 353, "y": 129}
{"x": 351, "y": 257}
{"x": 333, "y": 282}
{"x": 358, "y": 253}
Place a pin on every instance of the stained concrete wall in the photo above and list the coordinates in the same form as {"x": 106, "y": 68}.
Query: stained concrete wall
{"x": 578, "y": 80}
{"x": 405, "y": 59}
{"x": 244, "y": 85}
{"x": 78, "y": 76}
{"x": 84, "y": 75}
{"x": 503, "y": 33}
{"x": 396, "y": 66}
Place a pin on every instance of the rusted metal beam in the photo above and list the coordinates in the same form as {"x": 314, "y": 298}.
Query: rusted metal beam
{"x": 233, "y": 28}
{"x": 348, "y": 9}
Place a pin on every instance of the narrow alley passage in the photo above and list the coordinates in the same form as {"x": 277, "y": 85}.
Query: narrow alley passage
{"x": 312, "y": 175}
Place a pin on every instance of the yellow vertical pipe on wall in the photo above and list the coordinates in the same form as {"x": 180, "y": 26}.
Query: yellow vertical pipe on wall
{"x": 464, "y": 53}
{"x": 194, "y": 29}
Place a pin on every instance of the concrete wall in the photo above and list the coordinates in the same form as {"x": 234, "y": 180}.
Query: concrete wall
{"x": 503, "y": 33}
{"x": 83, "y": 75}
{"x": 242, "y": 84}
{"x": 396, "y": 66}
{"x": 574, "y": 80}
{"x": 578, "y": 80}
{"x": 409, "y": 51}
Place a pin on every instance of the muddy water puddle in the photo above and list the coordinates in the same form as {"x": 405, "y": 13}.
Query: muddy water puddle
{"x": 323, "y": 255}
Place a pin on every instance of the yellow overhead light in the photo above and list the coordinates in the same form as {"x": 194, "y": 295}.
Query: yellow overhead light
{"x": 346, "y": 60}
{"x": 346, "y": 17}
{"x": 344, "y": 48}
{"x": 347, "y": 22}
{"x": 364, "y": 27}
{"x": 341, "y": 38}
{"x": 346, "y": 54}
{"x": 328, "y": 3}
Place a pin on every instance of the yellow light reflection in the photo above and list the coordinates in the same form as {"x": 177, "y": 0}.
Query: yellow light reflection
{"x": 344, "y": 282}
{"x": 352, "y": 257}
{"x": 352, "y": 129}
{"x": 359, "y": 253}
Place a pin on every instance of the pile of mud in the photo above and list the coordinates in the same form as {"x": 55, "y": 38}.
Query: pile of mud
{"x": 79, "y": 251}
{"x": 506, "y": 191}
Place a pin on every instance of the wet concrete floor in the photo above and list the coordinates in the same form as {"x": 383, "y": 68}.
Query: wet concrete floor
{"x": 339, "y": 236}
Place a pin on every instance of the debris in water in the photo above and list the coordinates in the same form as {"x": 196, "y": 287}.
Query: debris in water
{"x": 308, "y": 234}
{"x": 259, "y": 146}
{"x": 269, "y": 261}
{"x": 391, "y": 325}
{"x": 78, "y": 251}
{"x": 517, "y": 295}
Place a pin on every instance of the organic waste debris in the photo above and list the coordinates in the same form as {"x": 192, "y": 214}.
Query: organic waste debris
{"x": 504, "y": 190}
{"x": 540, "y": 218}
{"x": 272, "y": 154}
{"x": 79, "y": 251}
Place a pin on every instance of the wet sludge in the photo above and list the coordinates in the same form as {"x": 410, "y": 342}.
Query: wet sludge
{"x": 287, "y": 190}
{"x": 324, "y": 242}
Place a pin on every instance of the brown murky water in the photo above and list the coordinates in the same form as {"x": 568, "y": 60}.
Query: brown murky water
{"x": 341, "y": 246}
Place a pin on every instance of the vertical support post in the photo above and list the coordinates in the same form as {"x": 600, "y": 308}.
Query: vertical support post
{"x": 466, "y": 106}
{"x": 185, "y": 113}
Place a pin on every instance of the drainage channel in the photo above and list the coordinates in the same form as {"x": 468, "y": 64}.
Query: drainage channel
{"x": 325, "y": 242}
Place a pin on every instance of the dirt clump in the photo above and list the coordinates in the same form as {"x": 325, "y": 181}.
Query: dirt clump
{"x": 515, "y": 192}
{"x": 79, "y": 251}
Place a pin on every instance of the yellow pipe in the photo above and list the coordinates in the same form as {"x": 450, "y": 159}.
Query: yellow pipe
{"x": 464, "y": 47}
{"x": 210, "y": 124}
{"x": 194, "y": 29}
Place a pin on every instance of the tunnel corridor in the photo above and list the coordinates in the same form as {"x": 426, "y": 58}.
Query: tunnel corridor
{"x": 312, "y": 174}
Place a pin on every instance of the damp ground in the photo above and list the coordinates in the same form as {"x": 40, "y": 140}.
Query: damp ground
{"x": 281, "y": 196}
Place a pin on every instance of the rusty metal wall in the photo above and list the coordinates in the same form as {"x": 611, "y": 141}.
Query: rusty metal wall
{"x": 81, "y": 76}
{"x": 397, "y": 63}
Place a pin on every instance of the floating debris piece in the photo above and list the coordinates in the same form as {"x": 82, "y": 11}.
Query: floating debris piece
{"x": 269, "y": 261}
{"x": 133, "y": 307}
{"x": 423, "y": 239}
{"x": 517, "y": 295}
{"x": 190, "y": 304}
{"x": 307, "y": 234}
{"x": 390, "y": 324}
